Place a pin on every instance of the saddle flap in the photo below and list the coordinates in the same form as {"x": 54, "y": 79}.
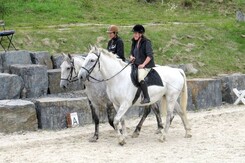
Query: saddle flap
{"x": 134, "y": 75}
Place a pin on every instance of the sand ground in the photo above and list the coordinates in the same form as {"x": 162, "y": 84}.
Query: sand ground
{"x": 218, "y": 136}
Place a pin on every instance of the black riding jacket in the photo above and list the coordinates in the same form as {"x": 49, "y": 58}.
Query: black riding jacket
{"x": 144, "y": 50}
{"x": 116, "y": 46}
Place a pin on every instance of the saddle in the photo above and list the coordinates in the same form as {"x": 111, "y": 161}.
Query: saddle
{"x": 152, "y": 78}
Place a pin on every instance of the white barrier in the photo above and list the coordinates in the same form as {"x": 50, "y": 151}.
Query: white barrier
{"x": 241, "y": 96}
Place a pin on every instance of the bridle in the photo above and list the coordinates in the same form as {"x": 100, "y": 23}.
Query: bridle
{"x": 89, "y": 71}
{"x": 70, "y": 77}
{"x": 92, "y": 68}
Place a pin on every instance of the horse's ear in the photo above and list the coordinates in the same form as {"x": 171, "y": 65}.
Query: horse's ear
{"x": 98, "y": 51}
{"x": 90, "y": 47}
{"x": 95, "y": 48}
{"x": 70, "y": 57}
{"x": 64, "y": 55}
{"x": 98, "y": 46}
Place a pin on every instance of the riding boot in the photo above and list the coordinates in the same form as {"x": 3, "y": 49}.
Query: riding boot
{"x": 144, "y": 89}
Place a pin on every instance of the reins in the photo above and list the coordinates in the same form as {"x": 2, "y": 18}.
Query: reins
{"x": 92, "y": 68}
{"x": 103, "y": 80}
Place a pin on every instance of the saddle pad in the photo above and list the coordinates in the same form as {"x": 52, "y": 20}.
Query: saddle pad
{"x": 152, "y": 78}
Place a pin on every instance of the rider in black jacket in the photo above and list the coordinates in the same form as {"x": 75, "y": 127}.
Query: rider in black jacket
{"x": 142, "y": 56}
{"x": 115, "y": 45}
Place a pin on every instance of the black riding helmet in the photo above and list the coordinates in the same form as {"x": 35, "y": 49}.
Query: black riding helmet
{"x": 138, "y": 28}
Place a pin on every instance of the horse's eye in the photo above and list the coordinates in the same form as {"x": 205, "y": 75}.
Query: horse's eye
{"x": 92, "y": 60}
{"x": 68, "y": 68}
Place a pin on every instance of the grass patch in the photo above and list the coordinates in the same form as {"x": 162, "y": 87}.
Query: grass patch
{"x": 206, "y": 35}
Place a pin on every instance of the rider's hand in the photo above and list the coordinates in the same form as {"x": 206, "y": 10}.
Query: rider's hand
{"x": 141, "y": 66}
{"x": 131, "y": 59}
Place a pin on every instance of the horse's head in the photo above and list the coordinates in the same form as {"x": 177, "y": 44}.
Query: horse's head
{"x": 89, "y": 64}
{"x": 67, "y": 71}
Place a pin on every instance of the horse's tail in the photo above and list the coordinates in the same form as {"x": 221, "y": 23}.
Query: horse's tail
{"x": 184, "y": 94}
{"x": 163, "y": 106}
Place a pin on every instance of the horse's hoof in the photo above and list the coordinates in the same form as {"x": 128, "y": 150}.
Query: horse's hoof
{"x": 158, "y": 131}
{"x": 121, "y": 140}
{"x": 162, "y": 138}
{"x": 135, "y": 135}
{"x": 93, "y": 139}
{"x": 188, "y": 135}
{"x": 121, "y": 131}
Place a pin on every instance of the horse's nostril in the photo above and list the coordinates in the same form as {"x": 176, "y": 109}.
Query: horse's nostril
{"x": 64, "y": 87}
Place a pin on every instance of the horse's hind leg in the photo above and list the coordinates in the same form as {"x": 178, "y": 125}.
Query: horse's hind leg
{"x": 155, "y": 109}
{"x": 170, "y": 108}
{"x": 183, "y": 117}
{"x": 136, "y": 132}
{"x": 176, "y": 106}
{"x": 96, "y": 122}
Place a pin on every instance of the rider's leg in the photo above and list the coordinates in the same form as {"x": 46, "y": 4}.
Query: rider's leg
{"x": 144, "y": 89}
{"x": 142, "y": 73}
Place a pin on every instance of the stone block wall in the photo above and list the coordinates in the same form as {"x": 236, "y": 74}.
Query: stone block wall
{"x": 17, "y": 115}
{"x": 54, "y": 83}
{"x": 31, "y": 75}
{"x": 57, "y": 60}
{"x": 228, "y": 82}
{"x": 14, "y": 57}
{"x": 35, "y": 79}
{"x": 204, "y": 93}
{"x": 42, "y": 58}
{"x": 11, "y": 86}
{"x": 51, "y": 112}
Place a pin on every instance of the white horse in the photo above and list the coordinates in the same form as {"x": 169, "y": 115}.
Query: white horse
{"x": 96, "y": 92}
{"x": 121, "y": 90}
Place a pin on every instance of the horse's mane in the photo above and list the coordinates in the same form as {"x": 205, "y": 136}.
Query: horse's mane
{"x": 106, "y": 52}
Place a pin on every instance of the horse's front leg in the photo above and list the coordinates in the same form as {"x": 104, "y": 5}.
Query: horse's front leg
{"x": 96, "y": 123}
{"x": 136, "y": 132}
{"x": 111, "y": 112}
{"x": 120, "y": 113}
{"x": 123, "y": 131}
